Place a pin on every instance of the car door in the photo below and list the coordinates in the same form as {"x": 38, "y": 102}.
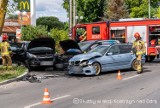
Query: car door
{"x": 125, "y": 55}
{"x": 111, "y": 60}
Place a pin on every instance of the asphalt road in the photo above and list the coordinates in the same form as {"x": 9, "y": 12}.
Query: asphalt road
{"x": 104, "y": 91}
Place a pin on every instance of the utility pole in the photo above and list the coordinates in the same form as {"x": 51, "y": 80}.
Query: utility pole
{"x": 70, "y": 14}
{"x": 149, "y": 9}
{"x": 33, "y": 12}
{"x": 74, "y": 12}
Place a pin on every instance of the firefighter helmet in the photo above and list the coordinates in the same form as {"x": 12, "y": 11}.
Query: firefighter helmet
{"x": 137, "y": 35}
{"x": 5, "y": 37}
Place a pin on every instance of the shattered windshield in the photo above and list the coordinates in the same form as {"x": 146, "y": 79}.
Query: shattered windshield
{"x": 85, "y": 45}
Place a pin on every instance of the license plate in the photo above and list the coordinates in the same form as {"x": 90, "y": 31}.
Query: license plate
{"x": 47, "y": 63}
{"x": 76, "y": 69}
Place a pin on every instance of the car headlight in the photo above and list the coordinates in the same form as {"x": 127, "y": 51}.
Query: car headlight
{"x": 29, "y": 55}
{"x": 84, "y": 63}
{"x": 70, "y": 63}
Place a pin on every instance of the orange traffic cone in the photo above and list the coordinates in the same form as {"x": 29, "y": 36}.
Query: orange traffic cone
{"x": 119, "y": 76}
{"x": 46, "y": 98}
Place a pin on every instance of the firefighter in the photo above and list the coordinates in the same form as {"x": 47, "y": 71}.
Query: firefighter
{"x": 139, "y": 49}
{"x": 5, "y": 52}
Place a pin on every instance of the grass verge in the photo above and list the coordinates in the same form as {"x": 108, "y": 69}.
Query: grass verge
{"x": 12, "y": 73}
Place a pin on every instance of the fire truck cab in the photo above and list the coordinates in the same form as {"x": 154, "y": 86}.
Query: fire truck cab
{"x": 94, "y": 31}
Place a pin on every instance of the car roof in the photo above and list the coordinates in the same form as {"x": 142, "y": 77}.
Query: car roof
{"x": 114, "y": 41}
{"x": 90, "y": 41}
{"x": 116, "y": 44}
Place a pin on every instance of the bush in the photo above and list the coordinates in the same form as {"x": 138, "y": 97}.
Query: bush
{"x": 58, "y": 35}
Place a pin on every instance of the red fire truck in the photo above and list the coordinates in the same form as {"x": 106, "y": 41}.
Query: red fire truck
{"x": 123, "y": 30}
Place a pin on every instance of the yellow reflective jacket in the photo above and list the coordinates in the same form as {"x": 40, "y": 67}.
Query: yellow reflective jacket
{"x": 4, "y": 46}
{"x": 139, "y": 45}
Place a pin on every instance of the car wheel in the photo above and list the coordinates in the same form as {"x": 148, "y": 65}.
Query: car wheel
{"x": 30, "y": 69}
{"x": 41, "y": 68}
{"x": 134, "y": 64}
{"x": 97, "y": 68}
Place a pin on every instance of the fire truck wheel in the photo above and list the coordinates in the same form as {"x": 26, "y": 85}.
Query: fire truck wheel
{"x": 150, "y": 58}
{"x": 134, "y": 64}
{"x": 97, "y": 67}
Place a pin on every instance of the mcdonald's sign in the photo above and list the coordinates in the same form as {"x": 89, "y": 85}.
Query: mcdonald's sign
{"x": 24, "y": 5}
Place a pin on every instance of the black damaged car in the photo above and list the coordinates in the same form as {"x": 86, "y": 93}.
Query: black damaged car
{"x": 18, "y": 52}
{"x": 40, "y": 53}
{"x": 70, "y": 48}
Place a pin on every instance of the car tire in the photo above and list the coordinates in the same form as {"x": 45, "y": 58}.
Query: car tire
{"x": 30, "y": 69}
{"x": 97, "y": 67}
{"x": 134, "y": 65}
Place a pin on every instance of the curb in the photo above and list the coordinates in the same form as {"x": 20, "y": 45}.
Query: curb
{"x": 14, "y": 79}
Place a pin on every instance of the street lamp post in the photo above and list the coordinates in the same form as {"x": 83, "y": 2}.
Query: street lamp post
{"x": 79, "y": 18}
{"x": 21, "y": 18}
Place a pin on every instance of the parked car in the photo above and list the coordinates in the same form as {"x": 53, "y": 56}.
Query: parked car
{"x": 103, "y": 58}
{"x": 40, "y": 53}
{"x": 88, "y": 45}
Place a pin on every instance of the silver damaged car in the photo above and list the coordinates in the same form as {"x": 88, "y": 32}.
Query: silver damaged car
{"x": 102, "y": 59}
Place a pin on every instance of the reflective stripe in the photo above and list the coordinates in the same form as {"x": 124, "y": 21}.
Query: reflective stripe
{"x": 46, "y": 99}
{"x": 46, "y": 93}
{"x": 139, "y": 53}
{"x": 6, "y": 53}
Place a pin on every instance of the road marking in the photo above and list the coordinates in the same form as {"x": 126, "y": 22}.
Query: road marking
{"x": 61, "y": 97}
{"x": 131, "y": 77}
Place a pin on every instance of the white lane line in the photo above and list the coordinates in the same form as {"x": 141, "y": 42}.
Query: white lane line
{"x": 131, "y": 77}
{"x": 61, "y": 97}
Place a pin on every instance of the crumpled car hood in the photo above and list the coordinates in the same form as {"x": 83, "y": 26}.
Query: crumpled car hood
{"x": 69, "y": 44}
{"x": 42, "y": 42}
{"x": 86, "y": 56}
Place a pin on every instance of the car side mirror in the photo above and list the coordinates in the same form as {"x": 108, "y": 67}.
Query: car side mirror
{"x": 110, "y": 53}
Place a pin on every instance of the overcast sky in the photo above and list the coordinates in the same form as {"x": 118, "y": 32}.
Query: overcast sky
{"x": 51, "y": 8}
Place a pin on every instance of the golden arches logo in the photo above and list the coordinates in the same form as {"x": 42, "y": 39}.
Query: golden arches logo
{"x": 24, "y": 5}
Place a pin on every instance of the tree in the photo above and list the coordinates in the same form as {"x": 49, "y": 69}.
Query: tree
{"x": 158, "y": 13}
{"x": 50, "y": 22}
{"x": 91, "y": 10}
{"x": 3, "y": 8}
{"x": 32, "y": 32}
{"x": 139, "y": 8}
{"x": 116, "y": 9}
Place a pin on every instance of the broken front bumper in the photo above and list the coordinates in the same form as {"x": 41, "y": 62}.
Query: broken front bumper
{"x": 88, "y": 70}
